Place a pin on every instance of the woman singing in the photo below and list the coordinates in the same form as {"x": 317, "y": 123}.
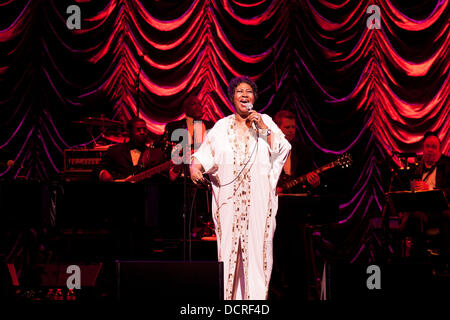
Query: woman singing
{"x": 243, "y": 155}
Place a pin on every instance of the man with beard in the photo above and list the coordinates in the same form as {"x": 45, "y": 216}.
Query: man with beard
{"x": 125, "y": 159}
{"x": 123, "y": 203}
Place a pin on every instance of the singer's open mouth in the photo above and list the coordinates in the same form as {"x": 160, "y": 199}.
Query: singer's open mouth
{"x": 244, "y": 103}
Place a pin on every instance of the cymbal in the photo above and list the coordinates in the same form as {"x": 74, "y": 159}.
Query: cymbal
{"x": 115, "y": 138}
{"x": 102, "y": 122}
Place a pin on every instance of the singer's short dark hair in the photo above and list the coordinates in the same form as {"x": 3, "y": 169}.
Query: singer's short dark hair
{"x": 431, "y": 134}
{"x": 237, "y": 81}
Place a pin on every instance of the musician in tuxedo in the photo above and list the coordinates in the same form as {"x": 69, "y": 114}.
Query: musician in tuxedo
{"x": 300, "y": 158}
{"x": 435, "y": 166}
{"x": 130, "y": 236}
{"x": 193, "y": 122}
{"x": 124, "y": 159}
{"x": 434, "y": 173}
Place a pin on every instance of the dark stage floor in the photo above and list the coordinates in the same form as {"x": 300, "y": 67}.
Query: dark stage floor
{"x": 40, "y": 241}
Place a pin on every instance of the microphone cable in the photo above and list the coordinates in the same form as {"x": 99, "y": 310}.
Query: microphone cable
{"x": 191, "y": 213}
{"x": 245, "y": 165}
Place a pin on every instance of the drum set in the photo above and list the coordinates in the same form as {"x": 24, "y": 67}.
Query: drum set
{"x": 110, "y": 131}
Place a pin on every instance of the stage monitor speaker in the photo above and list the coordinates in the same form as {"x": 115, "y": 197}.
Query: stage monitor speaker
{"x": 162, "y": 280}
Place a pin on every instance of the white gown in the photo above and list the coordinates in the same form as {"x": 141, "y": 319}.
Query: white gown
{"x": 244, "y": 208}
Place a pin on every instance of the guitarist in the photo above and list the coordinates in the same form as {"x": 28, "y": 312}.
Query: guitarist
{"x": 125, "y": 159}
{"x": 290, "y": 277}
{"x": 300, "y": 158}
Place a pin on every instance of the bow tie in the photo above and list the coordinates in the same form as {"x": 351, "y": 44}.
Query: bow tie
{"x": 132, "y": 146}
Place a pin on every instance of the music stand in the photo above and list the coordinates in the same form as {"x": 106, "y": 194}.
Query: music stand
{"x": 299, "y": 216}
{"x": 430, "y": 200}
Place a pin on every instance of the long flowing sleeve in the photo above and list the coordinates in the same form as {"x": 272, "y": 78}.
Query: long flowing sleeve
{"x": 205, "y": 154}
{"x": 244, "y": 172}
{"x": 279, "y": 150}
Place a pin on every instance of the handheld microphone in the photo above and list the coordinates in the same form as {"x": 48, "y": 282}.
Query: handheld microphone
{"x": 249, "y": 107}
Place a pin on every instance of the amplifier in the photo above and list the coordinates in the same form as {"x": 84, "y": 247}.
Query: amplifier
{"x": 83, "y": 160}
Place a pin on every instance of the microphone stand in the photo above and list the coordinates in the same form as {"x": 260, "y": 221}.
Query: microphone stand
{"x": 184, "y": 210}
{"x": 388, "y": 207}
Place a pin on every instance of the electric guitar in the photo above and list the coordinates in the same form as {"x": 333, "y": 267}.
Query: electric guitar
{"x": 343, "y": 161}
{"x": 148, "y": 173}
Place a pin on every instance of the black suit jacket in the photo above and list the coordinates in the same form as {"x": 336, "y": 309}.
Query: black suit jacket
{"x": 443, "y": 175}
{"x": 181, "y": 124}
{"x": 117, "y": 161}
{"x": 301, "y": 163}
{"x": 301, "y": 158}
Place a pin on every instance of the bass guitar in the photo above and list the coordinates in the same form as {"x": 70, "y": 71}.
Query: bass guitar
{"x": 148, "y": 173}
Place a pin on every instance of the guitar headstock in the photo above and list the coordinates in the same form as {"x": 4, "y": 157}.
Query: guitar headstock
{"x": 344, "y": 160}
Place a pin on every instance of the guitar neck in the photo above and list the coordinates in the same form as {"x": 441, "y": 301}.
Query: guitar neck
{"x": 302, "y": 178}
{"x": 326, "y": 167}
{"x": 150, "y": 172}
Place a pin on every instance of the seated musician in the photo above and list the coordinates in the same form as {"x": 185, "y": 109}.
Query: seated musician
{"x": 300, "y": 158}
{"x": 434, "y": 174}
{"x": 125, "y": 159}
{"x": 193, "y": 122}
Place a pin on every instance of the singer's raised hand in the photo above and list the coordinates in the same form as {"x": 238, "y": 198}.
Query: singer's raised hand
{"x": 257, "y": 119}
